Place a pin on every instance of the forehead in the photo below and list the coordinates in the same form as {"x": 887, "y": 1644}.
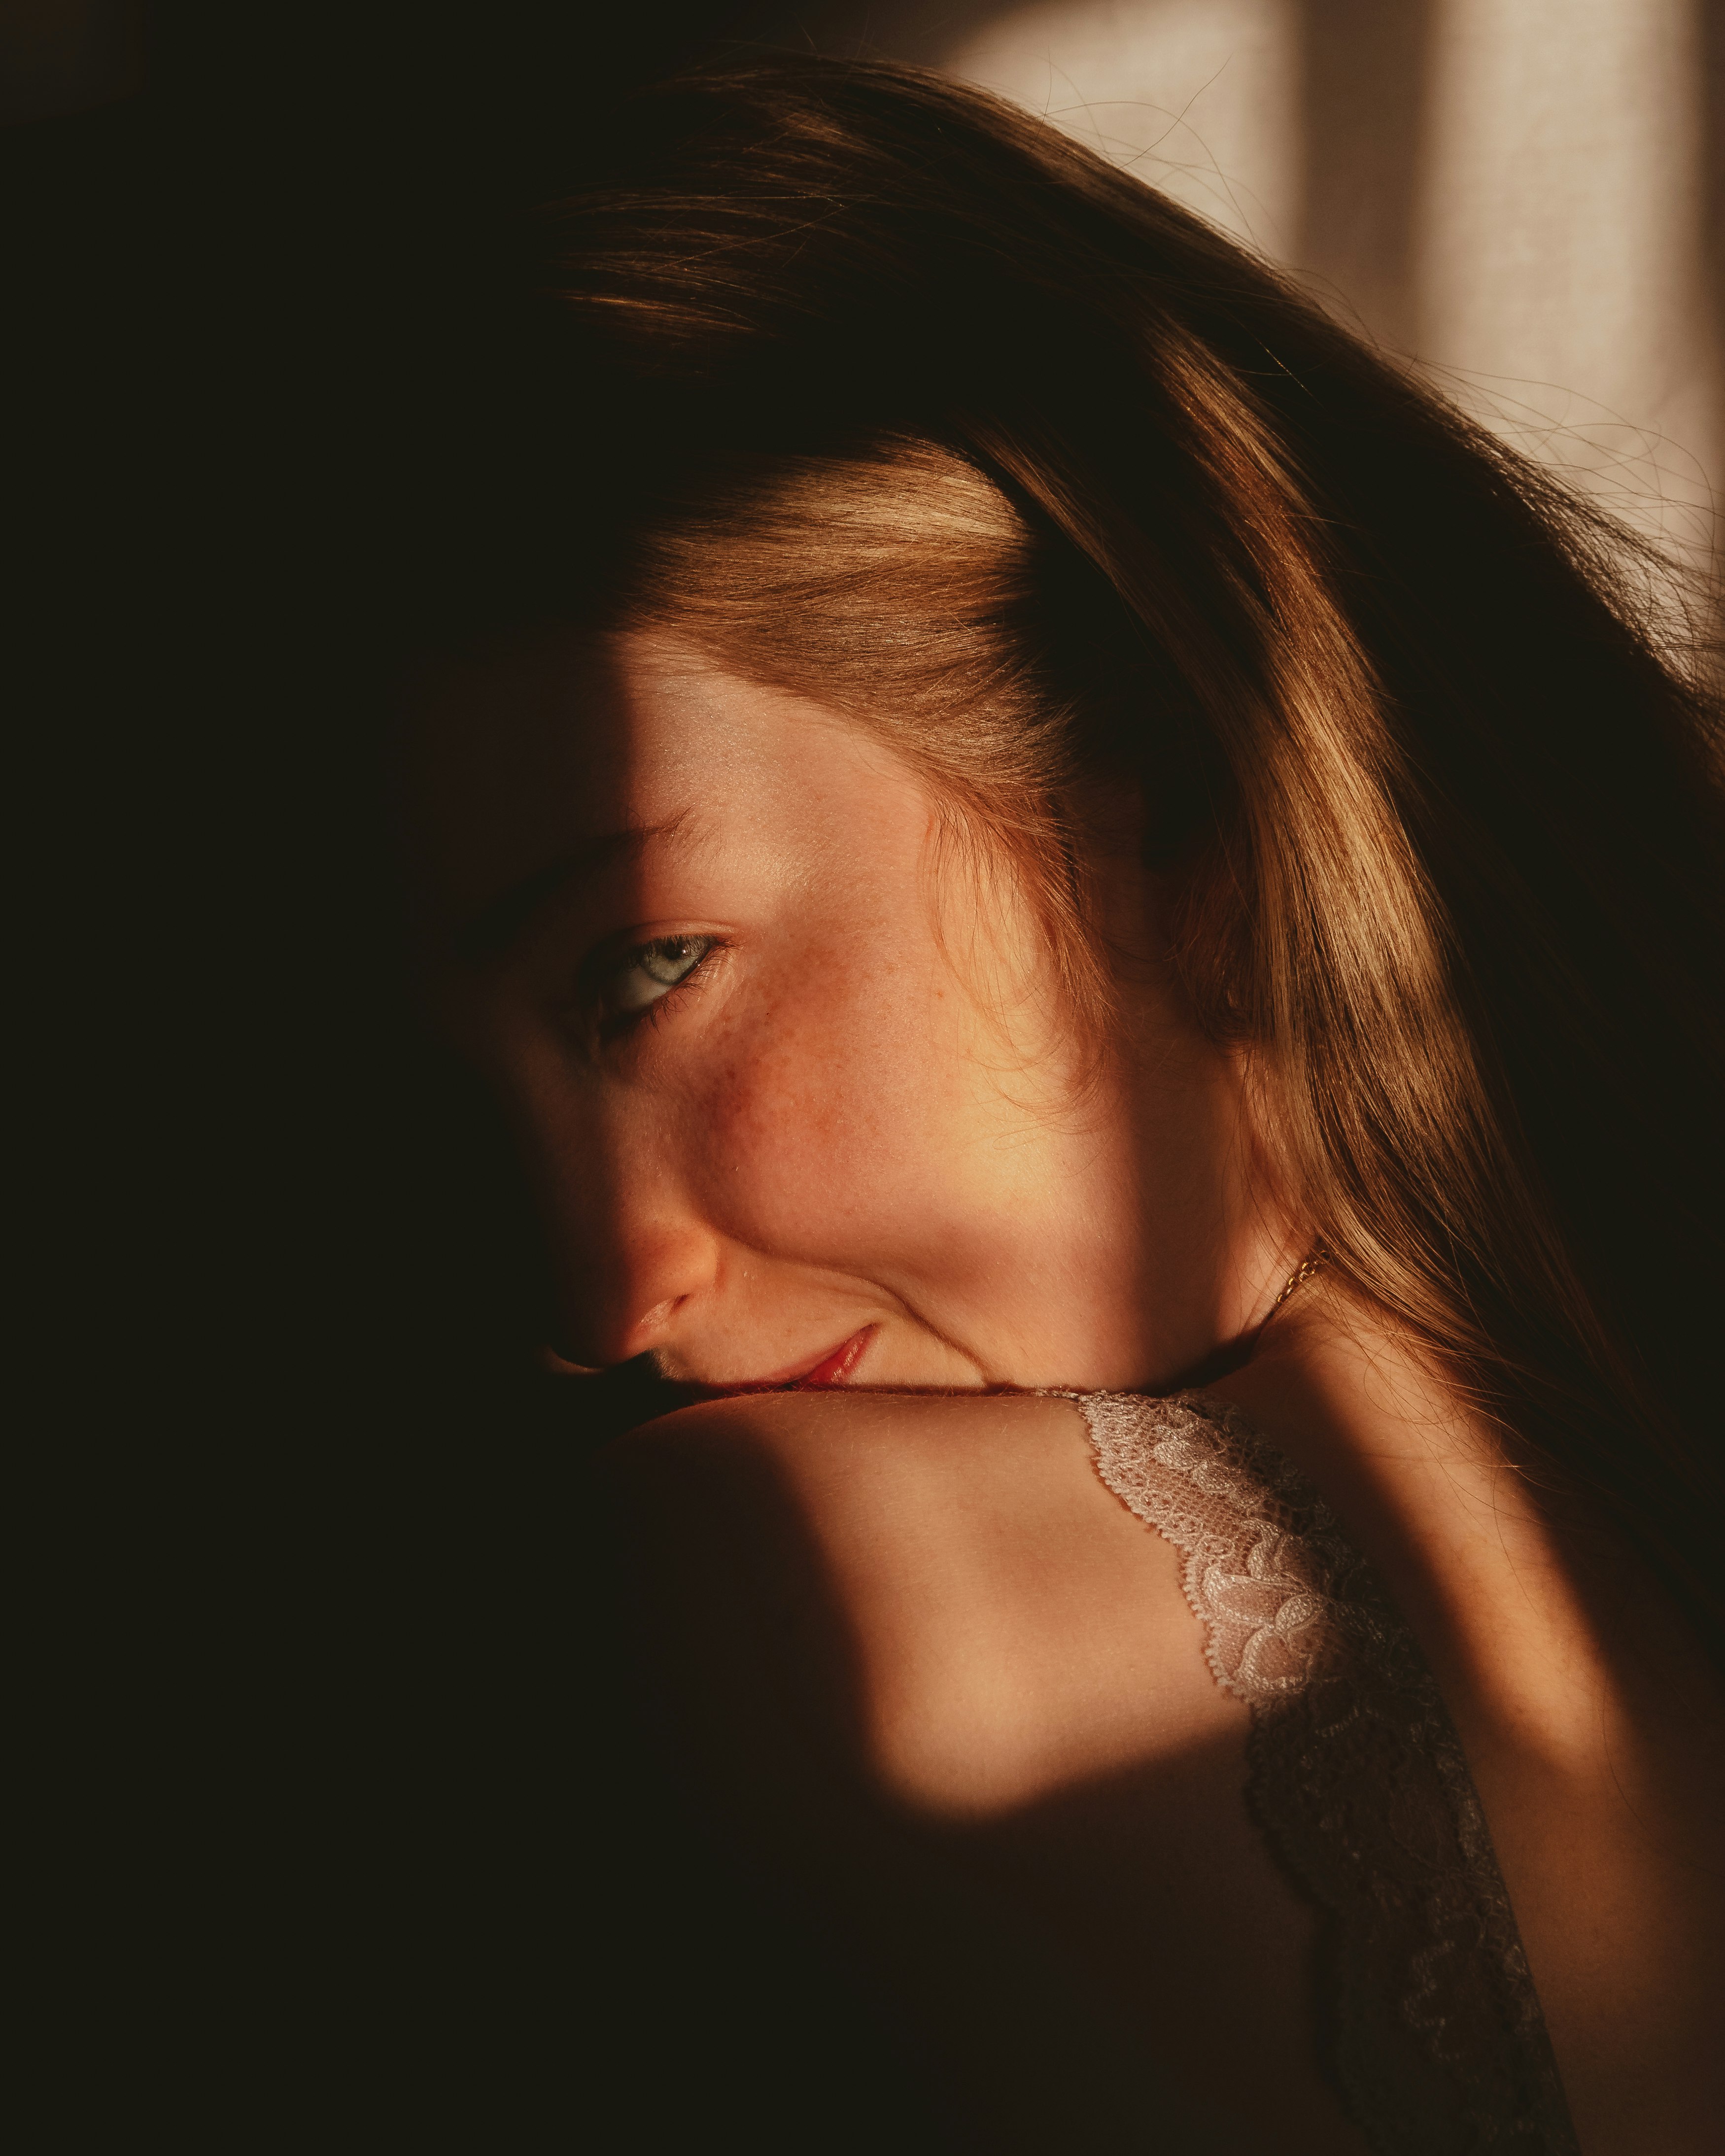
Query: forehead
{"x": 514, "y": 759}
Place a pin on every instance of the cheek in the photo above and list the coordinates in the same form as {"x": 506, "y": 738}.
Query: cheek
{"x": 832, "y": 1120}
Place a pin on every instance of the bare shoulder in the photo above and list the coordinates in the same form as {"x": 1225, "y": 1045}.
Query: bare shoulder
{"x": 894, "y": 1420}
{"x": 856, "y": 1447}
{"x": 1009, "y": 1627}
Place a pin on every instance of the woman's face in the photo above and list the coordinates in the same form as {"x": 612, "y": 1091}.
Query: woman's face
{"x": 789, "y": 1070}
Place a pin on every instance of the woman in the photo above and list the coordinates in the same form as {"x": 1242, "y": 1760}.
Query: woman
{"x": 1106, "y": 924}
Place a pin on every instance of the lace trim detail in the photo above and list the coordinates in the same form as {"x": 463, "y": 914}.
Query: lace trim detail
{"x": 1433, "y": 2033}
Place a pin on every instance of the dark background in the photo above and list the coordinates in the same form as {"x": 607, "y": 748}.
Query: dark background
{"x": 346, "y": 1834}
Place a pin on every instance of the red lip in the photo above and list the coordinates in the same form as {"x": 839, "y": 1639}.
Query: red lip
{"x": 832, "y": 1368}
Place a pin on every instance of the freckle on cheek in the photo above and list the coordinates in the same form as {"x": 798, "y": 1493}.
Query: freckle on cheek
{"x": 792, "y": 1112}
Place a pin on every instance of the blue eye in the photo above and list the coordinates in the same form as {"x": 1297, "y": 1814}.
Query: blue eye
{"x": 654, "y": 969}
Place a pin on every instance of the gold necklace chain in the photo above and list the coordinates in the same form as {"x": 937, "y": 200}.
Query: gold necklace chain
{"x": 1312, "y": 1263}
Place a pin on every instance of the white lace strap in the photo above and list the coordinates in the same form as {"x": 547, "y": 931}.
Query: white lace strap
{"x": 1359, "y": 1781}
{"x": 1263, "y": 1593}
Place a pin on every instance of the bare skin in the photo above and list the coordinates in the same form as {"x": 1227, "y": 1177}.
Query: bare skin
{"x": 801, "y": 1102}
{"x": 1004, "y": 1670}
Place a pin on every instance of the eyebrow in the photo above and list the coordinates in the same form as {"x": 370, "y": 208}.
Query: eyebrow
{"x": 498, "y": 928}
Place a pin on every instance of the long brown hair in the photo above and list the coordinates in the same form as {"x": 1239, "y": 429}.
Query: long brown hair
{"x": 883, "y": 389}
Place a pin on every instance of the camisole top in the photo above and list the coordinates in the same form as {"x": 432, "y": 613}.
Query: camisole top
{"x": 1432, "y": 2028}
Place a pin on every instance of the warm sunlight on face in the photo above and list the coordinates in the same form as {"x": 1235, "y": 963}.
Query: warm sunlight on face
{"x": 785, "y": 1069}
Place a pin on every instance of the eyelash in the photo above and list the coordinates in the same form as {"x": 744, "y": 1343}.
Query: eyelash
{"x": 612, "y": 1021}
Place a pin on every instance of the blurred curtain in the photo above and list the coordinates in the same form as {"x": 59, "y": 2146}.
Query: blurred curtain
{"x": 1524, "y": 195}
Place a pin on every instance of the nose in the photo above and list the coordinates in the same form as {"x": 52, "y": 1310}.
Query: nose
{"x": 631, "y": 1238}
{"x": 625, "y": 1278}
{"x": 630, "y": 1254}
